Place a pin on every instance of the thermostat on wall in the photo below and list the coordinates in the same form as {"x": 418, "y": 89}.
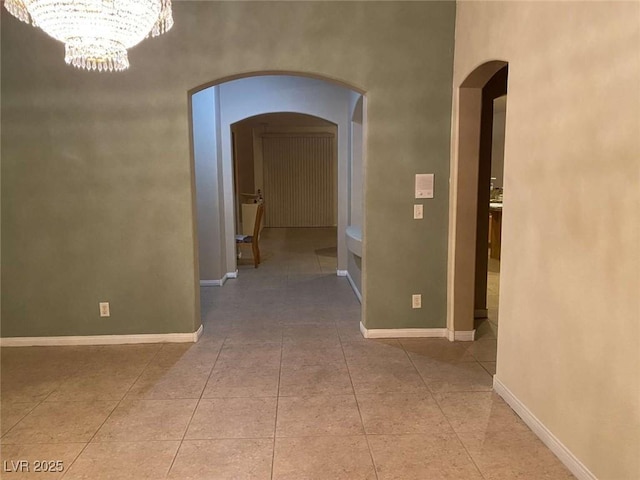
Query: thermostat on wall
{"x": 424, "y": 185}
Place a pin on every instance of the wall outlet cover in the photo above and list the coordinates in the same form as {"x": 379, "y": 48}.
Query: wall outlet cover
{"x": 416, "y": 301}
{"x": 104, "y": 309}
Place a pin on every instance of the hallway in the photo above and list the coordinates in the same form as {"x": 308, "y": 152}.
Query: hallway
{"x": 281, "y": 386}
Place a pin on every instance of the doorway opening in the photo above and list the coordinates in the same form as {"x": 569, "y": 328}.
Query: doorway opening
{"x": 288, "y": 162}
{"x": 496, "y": 192}
{"x": 218, "y": 112}
{"x": 476, "y": 213}
{"x": 489, "y": 210}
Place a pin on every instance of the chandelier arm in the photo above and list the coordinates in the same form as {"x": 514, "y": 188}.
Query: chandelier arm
{"x": 18, "y": 9}
{"x": 165, "y": 19}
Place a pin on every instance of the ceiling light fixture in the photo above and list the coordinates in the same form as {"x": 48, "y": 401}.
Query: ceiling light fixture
{"x": 96, "y": 33}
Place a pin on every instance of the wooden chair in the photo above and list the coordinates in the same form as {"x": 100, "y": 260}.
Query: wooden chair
{"x": 254, "y": 239}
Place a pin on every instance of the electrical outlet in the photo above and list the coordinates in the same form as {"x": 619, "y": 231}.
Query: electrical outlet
{"x": 416, "y": 301}
{"x": 417, "y": 212}
{"x": 104, "y": 309}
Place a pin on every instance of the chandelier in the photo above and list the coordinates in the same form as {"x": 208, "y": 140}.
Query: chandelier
{"x": 96, "y": 33}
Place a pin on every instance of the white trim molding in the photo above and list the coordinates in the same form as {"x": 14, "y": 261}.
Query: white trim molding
{"x": 461, "y": 335}
{"x": 219, "y": 283}
{"x": 101, "y": 339}
{"x": 197, "y": 334}
{"x": 548, "y": 438}
{"x": 402, "y": 332}
{"x": 354, "y": 287}
{"x": 342, "y": 273}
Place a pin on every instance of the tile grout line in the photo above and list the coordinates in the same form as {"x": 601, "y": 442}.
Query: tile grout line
{"x": 275, "y": 420}
{"x": 444, "y": 414}
{"x": 195, "y": 409}
{"x": 66, "y": 470}
{"x": 364, "y": 430}
{"x": 37, "y": 404}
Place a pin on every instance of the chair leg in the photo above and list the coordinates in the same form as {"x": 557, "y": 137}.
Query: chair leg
{"x": 256, "y": 255}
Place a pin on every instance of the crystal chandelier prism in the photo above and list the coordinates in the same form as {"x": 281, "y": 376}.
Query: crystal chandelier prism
{"x": 96, "y": 33}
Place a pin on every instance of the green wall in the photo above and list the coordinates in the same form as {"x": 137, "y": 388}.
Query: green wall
{"x": 97, "y": 175}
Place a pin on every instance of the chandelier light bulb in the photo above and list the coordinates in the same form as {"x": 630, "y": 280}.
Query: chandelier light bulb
{"x": 96, "y": 33}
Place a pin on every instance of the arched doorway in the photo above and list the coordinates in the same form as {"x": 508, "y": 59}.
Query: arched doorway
{"x": 269, "y": 152}
{"x": 470, "y": 197}
{"x": 218, "y": 105}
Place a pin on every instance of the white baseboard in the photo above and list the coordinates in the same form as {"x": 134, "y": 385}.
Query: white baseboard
{"x": 354, "y": 287}
{"x": 101, "y": 339}
{"x": 549, "y": 439}
{"x": 458, "y": 336}
{"x": 461, "y": 335}
{"x": 198, "y": 333}
{"x": 342, "y": 273}
{"x": 219, "y": 283}
{"x": 402, "y": 332}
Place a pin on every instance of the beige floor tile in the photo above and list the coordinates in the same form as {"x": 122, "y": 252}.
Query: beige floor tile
{"x": 187, "y": 355}
{"x": 318, "y": 415}
{"x": 88, "y": 385}
{"x": 350, "y": 333}
{"x": 233, "y": 418}
{"x": 437, "y": 349}
{"x": 60, "y": 422}
{"x": 43, "y": 461}
{"x": 368, "y": 379}
{"x": 513, "y": 454}
{"x": 478, "y": 412}
{"x": 375, "y": 352}
{"x": 48, "y": 360}
{"x": 420, "y": 457}
{"x": 12, "y": 413}
{"x": 166, "y": 382}
{"x": 255, "y": 355}
{"x": 311, "y": 458}
{"x": 486, "y": 329}
{"x": 484, "y": 349}
{"x": 300, "y": 380}
{"x": 29, "y": 385}
{"x": 490, "y": 367}
{"x": 312, "y": 353}
{"x": 235, "y": 459}
{"x": 124, "y": 461}
{"x": 311, "y": 315}
{"x": 402, "y": 413}
{"x": 260, "y": 381}
{"x": 454, "y": 377}
{"x": 310, "y": 333}
{"x": 122, "y": 358}
{"x": 141, "y": 420}
{"x": 252, "y": 336}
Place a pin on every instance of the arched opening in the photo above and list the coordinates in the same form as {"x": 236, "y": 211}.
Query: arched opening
{"x": 288, "y": 161}
{"x": 471, "y": 196}
{"x": 219, "y": 106}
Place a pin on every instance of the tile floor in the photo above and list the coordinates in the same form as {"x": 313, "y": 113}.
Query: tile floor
{"x": 281, "y": 386}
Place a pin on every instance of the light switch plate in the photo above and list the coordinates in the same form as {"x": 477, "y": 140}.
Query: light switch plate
{"x": 418, "y": 211}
